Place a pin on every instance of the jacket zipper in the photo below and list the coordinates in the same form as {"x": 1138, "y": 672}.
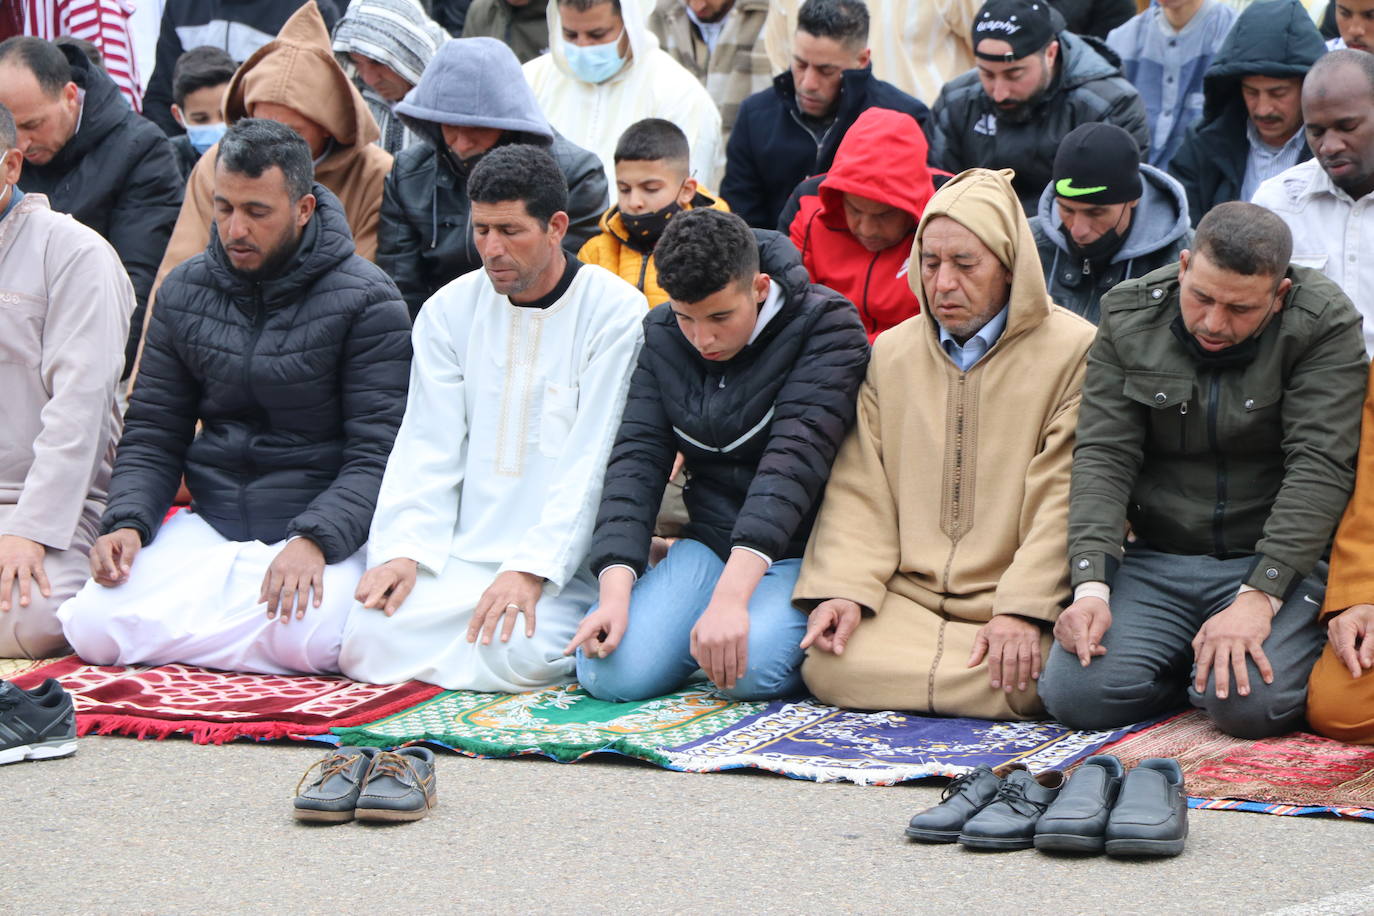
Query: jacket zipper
{"x": 644, "y": 272}
{"x": 1219, "y": 513}
{"x": 1183, "y": 427}
{"x": 866, "y": 313}
{"x": 259, "y": 321}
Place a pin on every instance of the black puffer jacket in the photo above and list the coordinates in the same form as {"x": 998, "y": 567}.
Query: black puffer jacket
{"x": 299, "y": 382}
{"x": 118, "y": 175}
{"x": 759, "y": 432}
{"x": 969, "y": 130}
{"x": 1268, "y": 39}
{"x": 424, "y": 239}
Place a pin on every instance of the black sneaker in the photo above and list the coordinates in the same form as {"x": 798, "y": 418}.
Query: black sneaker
{"x": 38, "y": 724}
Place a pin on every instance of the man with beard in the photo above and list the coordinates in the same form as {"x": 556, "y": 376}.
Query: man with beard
{"x": 1033, "y": 84}
{"x": 486, "y": 510}
{"x": 291, "y": 354}
{"x": 1220, "y": 418}
{"x": 471, "y": 99}
{"x": 1328, "y": 201}
{"x": 1105, "y": 217}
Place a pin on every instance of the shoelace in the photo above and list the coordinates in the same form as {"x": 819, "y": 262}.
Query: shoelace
{"x": 1014, "y": 794}
{"x": 329, "y": 766}
{"x": 957, "y": 786}
{"x": 399, "y": 766}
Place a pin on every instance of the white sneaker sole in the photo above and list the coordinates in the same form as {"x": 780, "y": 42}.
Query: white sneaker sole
{"x": 48, "y": 750}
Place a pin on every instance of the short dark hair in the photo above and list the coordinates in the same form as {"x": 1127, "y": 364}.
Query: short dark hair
{"x": 42, "y": 58}
{"x": 846, "y": 21}
{"x": 253, "y": 145}
{"x": 88, "y": 49}
{"x": 703, "y": 251}
{"x": 201, "y": 68}
{"x": 583, "y": 5}
{"x": 8, "y": 135}
{"x": 653, "y": 140}
{"x": 524, "y": 173}
{"x": 1245, "y": 238}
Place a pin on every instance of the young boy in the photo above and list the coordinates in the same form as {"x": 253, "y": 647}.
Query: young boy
{"x": 652, "y": 182}
{"x": 198, "y": 85}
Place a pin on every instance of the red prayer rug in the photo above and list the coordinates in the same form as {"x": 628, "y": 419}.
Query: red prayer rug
{"x": 218, "y": 706}
{"x": 1298, "y": 773}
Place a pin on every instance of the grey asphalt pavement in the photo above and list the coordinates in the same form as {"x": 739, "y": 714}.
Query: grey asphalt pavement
{"x": 171, "y": 827}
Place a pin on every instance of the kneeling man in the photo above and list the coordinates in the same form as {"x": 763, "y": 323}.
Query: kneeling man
{"x": 936, "y": 567}
{"x": 1221, "y": 413}
{"x": 63, "y": 325}
{"x": 486, "y": 510}
{"x": 291, "y": 352}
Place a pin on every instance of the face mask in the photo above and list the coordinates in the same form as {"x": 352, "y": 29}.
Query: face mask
{"x": 1099, "y": 249}
{"x": 1239, "y": 354}
{"x": 204, "y": 136}
{"x": 645, "y": 229}
{"x": 594, "y": 63}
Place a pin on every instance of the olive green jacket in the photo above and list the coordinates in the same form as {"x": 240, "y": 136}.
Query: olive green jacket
{"x": 1246, "y": 460}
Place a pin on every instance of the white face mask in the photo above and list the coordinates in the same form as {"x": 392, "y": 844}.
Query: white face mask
{"x": 595, "y": 63}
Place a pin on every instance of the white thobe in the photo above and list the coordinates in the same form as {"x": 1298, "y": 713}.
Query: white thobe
{"x": 498, "y": 466}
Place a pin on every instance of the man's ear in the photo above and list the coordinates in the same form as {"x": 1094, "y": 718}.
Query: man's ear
{"x": 305, "y": 208}
{"x": 761, "y": 286}
{"x": 176, "y": 114}
{"x": 865, "y": 58}
{"x": 1281, "y": 294}
{"x": 558, "y": 226}
{"x": 689, "y": 190}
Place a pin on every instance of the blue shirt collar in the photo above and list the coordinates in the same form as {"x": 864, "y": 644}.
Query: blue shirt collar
{"x": 977, "y": 346}
{"x": 16, "y": 195}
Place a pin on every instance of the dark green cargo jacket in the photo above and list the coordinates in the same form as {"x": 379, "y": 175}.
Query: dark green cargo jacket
{"x": 1248, "y": 460}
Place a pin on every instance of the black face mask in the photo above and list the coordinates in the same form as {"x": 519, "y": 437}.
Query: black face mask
{"x": 645, "y": 229}
{"x": 1099, "y": 250}
{"x": 1241, "y": 354}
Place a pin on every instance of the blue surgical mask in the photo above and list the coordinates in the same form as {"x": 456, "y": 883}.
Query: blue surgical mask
{"x": 204, "y": 136}
{"x": 595, "y": 63}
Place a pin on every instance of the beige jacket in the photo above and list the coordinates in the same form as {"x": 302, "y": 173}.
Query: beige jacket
{"x": 953, "y": 489}
{"x": 65, "y": 302}
{"x": 296, "y": 69}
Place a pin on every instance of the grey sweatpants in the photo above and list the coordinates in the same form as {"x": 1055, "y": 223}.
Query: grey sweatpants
{"x": 1159, "y": 602}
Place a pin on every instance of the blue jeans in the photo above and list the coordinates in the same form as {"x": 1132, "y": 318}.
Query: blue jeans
{"x": 654, "y": 657}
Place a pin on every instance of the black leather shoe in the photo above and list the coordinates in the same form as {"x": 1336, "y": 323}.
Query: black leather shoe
{"x": 333, "y": 794}
{"x": 1008, "y": 822}
{"x": 1151, "y": 814}
{"x": 962, "y": 798}
{"x": 1077, "y": 820}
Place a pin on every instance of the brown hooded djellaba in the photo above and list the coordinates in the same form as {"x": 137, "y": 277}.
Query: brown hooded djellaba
{"x": 948, "y": 502}
{"x": 297, "y": 69}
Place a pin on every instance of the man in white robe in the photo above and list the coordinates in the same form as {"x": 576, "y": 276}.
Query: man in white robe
{"x": 487, "y": 504}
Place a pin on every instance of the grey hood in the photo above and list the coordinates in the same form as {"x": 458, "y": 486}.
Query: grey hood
{"x": 1160, "y": 219}
{"x": 397, "y": 33}
{"x": 473, "y": 82}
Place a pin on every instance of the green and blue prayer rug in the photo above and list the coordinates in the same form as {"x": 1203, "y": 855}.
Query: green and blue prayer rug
{"x": 695, "y": 730}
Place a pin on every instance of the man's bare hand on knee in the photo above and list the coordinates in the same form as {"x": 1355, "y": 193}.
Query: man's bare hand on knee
{"x": 386, "y": 586}
{"x": 1081, "y": 626}
{"x": 1352, "y": 637}
{"x": 296, "y": 573}
{"x": 112, "y": 556}
{"x": 21, "y": 563}
{"x": 831, "y": 624}
{"x": 1011, "y": 645}
{"x": 1227, "y": 637}
{"x": 511, "y": 594}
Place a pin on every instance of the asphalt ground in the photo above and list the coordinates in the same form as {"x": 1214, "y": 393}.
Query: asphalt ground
{"x": 172, "y": 827}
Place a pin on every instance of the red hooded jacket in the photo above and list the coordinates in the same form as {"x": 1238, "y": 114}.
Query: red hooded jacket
{"x": 883, "y": 158}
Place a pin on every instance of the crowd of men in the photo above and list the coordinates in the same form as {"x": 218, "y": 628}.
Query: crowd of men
{"x": 1020, "y": 370}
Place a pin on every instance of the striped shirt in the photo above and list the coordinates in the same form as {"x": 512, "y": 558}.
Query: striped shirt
{"x": 104, "y": 23}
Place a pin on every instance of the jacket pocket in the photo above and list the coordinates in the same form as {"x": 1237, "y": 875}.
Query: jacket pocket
{"x": 21, "y": 328}
{"x": 556, "y": 418}
{"x": 1170, "y": 398}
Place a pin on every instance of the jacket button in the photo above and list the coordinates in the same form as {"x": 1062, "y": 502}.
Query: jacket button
{"x": 1084, "y": 564}
{"x": 1156, "y": 293}
{"x": 1249, "y": 403}
{"x": 1271, "y": 573}
{"x": 1161, "y": 397}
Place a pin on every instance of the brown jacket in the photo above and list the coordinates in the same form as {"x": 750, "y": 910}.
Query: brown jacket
{"x": 297, "y": 69}
{"x": 1350, "y": 580}
{"x": 948, "y": 503}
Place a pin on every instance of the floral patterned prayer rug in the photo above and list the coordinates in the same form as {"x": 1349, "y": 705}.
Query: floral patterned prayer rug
{"x": 11, "y": 668}
{"x": 1298, "y": 773}
{"x": 694, "y": 730}
{"x": 217, "y": 706}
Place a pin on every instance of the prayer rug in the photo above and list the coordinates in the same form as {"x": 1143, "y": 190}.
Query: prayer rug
{"x": 696, "y": 731}
{"x": 217, "y": 706}
{"x": 1298, "y": 773}
{"x": 11, "y": 668}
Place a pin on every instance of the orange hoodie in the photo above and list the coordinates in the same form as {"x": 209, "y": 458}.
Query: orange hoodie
{"x": 883, "y": 158}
